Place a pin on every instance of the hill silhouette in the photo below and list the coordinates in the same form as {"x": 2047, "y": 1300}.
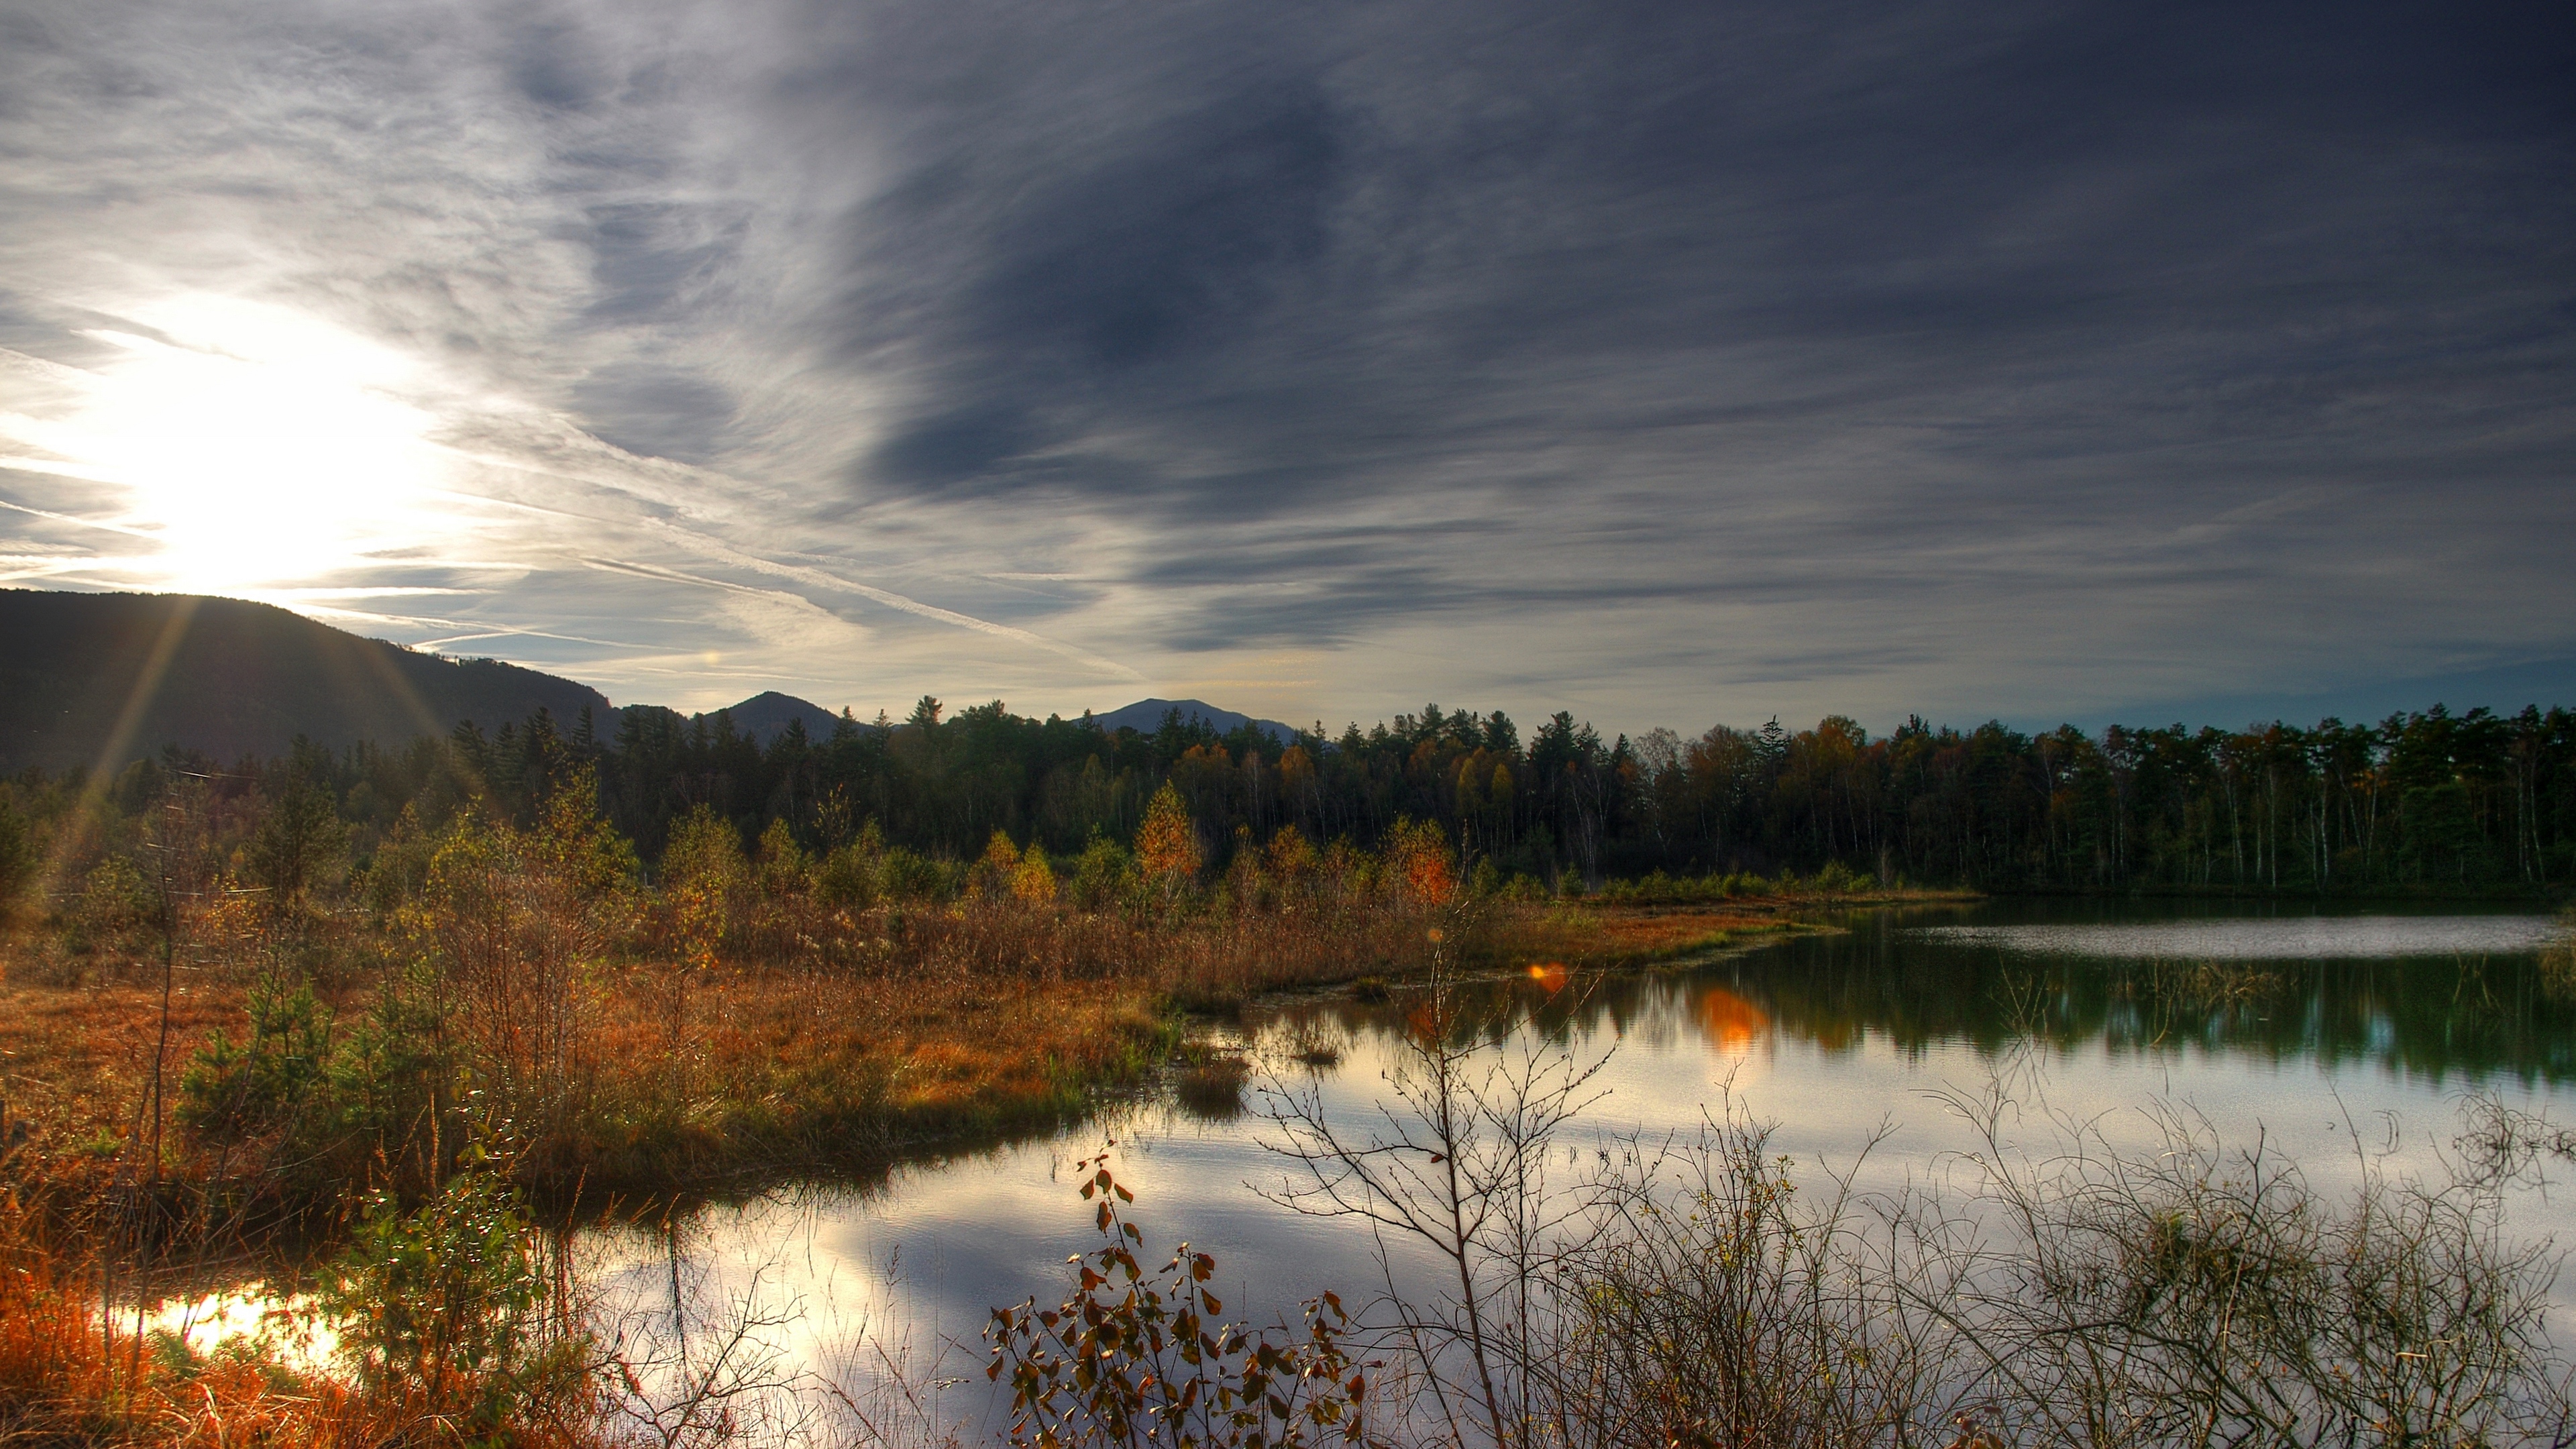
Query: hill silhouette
{"x": 103, "y": 679}
{"x": 1146, "y": 716}
{"x": 764, "y": 717}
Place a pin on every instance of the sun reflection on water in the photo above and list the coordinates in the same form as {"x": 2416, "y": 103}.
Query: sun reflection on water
{"x": 291, "y": 1331}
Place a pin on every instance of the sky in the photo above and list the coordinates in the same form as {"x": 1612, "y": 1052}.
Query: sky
{"x": 1666, "y": 363}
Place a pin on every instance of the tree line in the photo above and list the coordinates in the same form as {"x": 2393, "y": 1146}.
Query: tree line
{"x": 2429, "y": 800}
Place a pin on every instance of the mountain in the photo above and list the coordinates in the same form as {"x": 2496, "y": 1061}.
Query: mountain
{"x": 764, "y": 717}
{"x": 1146, "y": 716}
{"x": 103, "y": 679}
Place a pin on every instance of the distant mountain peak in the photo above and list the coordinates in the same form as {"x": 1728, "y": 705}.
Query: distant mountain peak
{"x": 1147, "y": 715}
{"x": 765, "y": 716}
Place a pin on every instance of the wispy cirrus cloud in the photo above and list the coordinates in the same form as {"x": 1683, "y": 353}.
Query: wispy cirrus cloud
{"x": 1669, "y": 362}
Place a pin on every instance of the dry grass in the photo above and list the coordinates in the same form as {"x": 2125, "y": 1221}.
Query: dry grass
{"x": 67, "y": 1379}
{"x": 846, "y": 1038}
{"x": 881, "y": 1030}
{"x": 1590, "y": 934}
{"x": 809, "y": 1039}
{"x": 76, "y": 1060}
{"x": 775, "y": 1069}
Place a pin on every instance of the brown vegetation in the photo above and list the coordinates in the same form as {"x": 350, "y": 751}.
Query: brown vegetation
{"x": 215, "y": 1028}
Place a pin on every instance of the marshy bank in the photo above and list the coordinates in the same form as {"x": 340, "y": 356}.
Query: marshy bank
{"x": 218, "y": 1049}
{"x": 1851, "y": 1053}
{"x": 227, "y": 1041}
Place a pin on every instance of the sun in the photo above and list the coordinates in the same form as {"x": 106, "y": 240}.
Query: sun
{"x": 256, "y": 448}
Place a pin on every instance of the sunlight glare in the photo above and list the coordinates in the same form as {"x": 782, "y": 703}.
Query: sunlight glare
{"x": 257, "y": 447}
{"x": 290, "y": 1331}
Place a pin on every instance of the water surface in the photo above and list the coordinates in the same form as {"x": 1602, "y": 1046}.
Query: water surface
{"x": 2335, "y": 1036}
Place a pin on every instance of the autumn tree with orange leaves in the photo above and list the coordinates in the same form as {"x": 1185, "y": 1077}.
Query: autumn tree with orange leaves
{"x": 1419, "y": 867}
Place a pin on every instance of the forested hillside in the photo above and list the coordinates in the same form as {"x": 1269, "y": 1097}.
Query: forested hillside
{"x": 91, "y": 676}
{"x": 2421, "y": 801}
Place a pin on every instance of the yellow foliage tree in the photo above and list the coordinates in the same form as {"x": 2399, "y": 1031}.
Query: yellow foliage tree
{"x": 784, "y": 869}
{"x": 1167, "y": 845}
{"x": 704, "y": 877}
{"x": 1291, "y": 858}
{"x": 1033, "y": 880}
{"x": 1292, "y": 864}
{"x": 993, "y": 874}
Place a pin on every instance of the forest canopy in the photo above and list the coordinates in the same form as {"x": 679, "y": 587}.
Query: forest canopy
{"x": 2425, "y": 800}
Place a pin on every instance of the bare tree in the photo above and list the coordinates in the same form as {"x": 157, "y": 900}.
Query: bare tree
{"x": 1454, "y": 1160}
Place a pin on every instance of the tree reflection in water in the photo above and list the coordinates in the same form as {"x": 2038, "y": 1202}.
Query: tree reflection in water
{"x": 2438, "y": 1017}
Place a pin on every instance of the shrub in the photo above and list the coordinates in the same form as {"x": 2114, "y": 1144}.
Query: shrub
{"x": 912, "y": 878}
{"x": 1838, "y": 879}
{"x": 230, "y": 1092}
{"x": 443, "y": 1310}
{"x": 1127, "y": 1361}
{"x": 1099, "y": 875}
{"x": 1033, "y": 879}
{"x": 990, "y": 877}
{"x": 848, "y": 878}
{"x": 2180, "y": 1295}
{"x": 704, "y": 880}
{"x": 335, "y": 1102}
{"x": 116, "y": 909}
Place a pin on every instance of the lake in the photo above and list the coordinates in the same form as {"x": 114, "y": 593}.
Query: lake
{"x": 2334, "y": 1035}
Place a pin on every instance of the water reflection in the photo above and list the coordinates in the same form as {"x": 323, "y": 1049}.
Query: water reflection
{"x": 1840, "y": 1038}
{"x": 2266, "y": 939}
{"x": 289, "y": 1329}
{"x": 2445, "y": 1017}
{"x": 1731, "y": 1022}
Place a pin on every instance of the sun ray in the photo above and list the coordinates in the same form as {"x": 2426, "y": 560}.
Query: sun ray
{"x": 129, "y": 718}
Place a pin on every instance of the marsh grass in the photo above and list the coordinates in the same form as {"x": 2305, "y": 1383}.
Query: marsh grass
{"x": 2184, "y": 1293}
{"x": 2049, "y": 1286}
{"x": 1209, "y": 1080}
{"x": 231, "y": 1070}
{"x": 1310, "y": 1042}
{"x": 72, "y": 1375}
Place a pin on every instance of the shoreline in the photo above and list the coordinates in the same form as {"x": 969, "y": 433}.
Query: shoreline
{"x": 851, "y": 1135}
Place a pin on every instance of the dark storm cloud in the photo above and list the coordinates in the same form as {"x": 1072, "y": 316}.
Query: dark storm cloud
{"x": 2015, "y": 301}
{"x": 2058, "y": 241}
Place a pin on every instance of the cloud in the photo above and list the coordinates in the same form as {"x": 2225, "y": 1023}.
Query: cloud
{"x": 655, "y": 410}
{"x": 1674, "y": 361}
